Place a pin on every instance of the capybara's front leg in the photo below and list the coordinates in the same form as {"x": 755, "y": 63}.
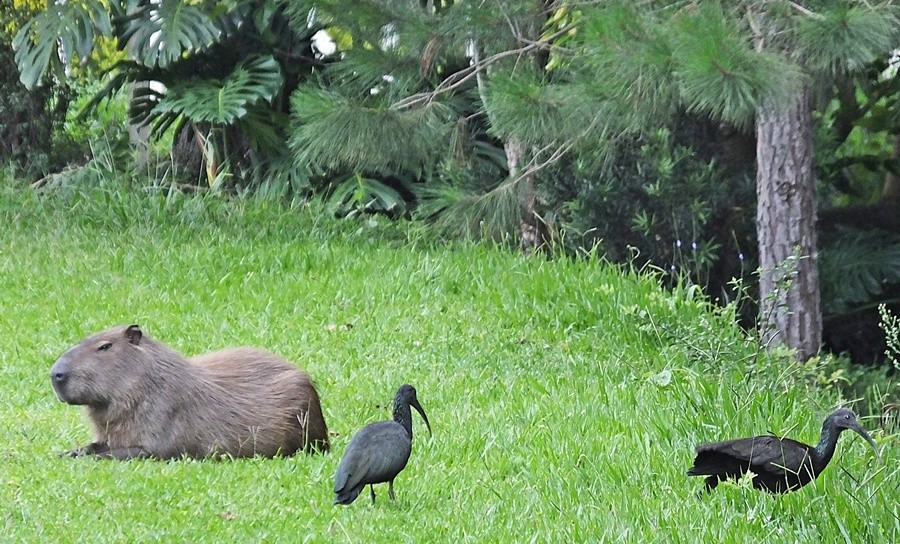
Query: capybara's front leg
{"x": 94, "y": 448}
{"x": 102, "y": 450}
{"x": 122, "y": 454}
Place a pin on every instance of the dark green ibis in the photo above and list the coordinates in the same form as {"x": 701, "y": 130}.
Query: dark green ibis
{"x": 779, "y": 465}
{"x": 379, "y": 451}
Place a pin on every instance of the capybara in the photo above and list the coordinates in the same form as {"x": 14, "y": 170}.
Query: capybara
{"x": 145, "y": 399}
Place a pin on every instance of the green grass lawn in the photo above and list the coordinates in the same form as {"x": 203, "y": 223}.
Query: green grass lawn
{"x": 566, "y": 397}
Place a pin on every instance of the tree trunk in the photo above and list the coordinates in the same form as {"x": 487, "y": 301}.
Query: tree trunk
{"x": 786, "y": 228}
{"x": 533, "y": 232}
{"x": 535, "y": 235}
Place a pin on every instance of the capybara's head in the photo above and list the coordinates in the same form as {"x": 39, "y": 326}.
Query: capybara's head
{"x": 100, "y": 368}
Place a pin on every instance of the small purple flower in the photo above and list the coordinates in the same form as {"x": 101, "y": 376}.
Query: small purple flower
{"x": 678, "y": 243}
{"x": 672, "y": 268}
{"x": 741, "y": 257}
{"x": 694, "y": 246}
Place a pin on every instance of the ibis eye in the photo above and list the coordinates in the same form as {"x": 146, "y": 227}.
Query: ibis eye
{"x": 846, "y": 416}
{"x": 104, "y": 346}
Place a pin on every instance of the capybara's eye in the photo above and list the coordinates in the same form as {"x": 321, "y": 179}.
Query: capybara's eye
{"x": 104, "y": 346}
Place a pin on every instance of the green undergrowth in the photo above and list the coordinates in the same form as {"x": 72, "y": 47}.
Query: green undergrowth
{"x": 566, "y": 396}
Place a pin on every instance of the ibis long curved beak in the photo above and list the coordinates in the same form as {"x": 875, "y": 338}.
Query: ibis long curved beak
{"x": 862, "y": 432}
{"x": 414, "y": 402}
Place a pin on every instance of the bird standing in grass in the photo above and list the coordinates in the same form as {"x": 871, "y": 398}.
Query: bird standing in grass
{"x": 779, "y": 465}
{"x": 379, "y": 451}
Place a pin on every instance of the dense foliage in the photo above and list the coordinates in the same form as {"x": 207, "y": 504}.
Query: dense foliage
{"x": 616, "y": 122}
{"x": 26, "y": 117}
{"x": 662, "y": 204}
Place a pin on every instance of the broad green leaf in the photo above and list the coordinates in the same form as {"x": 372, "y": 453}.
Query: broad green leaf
{"x": 55, "y": 38}
{"x": 162, "y": 33}
{"x": 223, "y": 102}
{"x": 357, "y": 194}
{"x": 856, "y": 267}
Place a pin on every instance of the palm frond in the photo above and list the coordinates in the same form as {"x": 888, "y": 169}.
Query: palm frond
{"x": 158, "y": 34}
{"x": 253, "y": 81}
{"x": 357, "y": 194}
{"x": 856, "y": 267}
{"x": 278, "y": 177}
{"x": 54, "y": 38}
{"x": 265, "y": 129}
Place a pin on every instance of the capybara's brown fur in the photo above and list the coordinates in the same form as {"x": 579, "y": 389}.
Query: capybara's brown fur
{"x": 145, "y": 399}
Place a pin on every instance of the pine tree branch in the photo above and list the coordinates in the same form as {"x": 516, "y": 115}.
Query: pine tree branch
{"x": 806, "y": 11}
{"x": 513, "y": 27}
{"x": 479, "y": 78}
{"x": 458, "y": 79}
{"x": 533, "y": 166}
{"x": 756, "y": 29}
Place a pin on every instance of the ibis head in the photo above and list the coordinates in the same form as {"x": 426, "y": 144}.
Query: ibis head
{"x": 406, "y": 397}
{"x": 841, "y": 420}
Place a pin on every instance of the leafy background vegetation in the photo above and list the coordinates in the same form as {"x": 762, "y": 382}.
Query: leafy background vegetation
{"x": 566, "y": 395}
{"x": 630, "y": 126}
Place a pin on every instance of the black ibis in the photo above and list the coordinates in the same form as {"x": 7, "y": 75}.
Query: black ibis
{"x": 379, "y": 451}
{"x": 779, "y": 465}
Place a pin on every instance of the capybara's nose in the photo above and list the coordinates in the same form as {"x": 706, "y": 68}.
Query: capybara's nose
{"x": 59, "y": 373}
{"x": 59, "y": 378}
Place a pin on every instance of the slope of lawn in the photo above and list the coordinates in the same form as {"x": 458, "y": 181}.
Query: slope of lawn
{"x": 565, "y": 396}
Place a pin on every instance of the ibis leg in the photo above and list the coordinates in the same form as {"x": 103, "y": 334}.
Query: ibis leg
{"x": 391, "y": 490}
{"x": 372, "y": 490}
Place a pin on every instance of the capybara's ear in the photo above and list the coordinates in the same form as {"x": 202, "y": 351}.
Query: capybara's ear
{"x": 134, "y": 334}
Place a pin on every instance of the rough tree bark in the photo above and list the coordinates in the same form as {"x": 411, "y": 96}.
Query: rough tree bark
{"x": 786, "y": 227}
{"x": 533, "y": 232}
